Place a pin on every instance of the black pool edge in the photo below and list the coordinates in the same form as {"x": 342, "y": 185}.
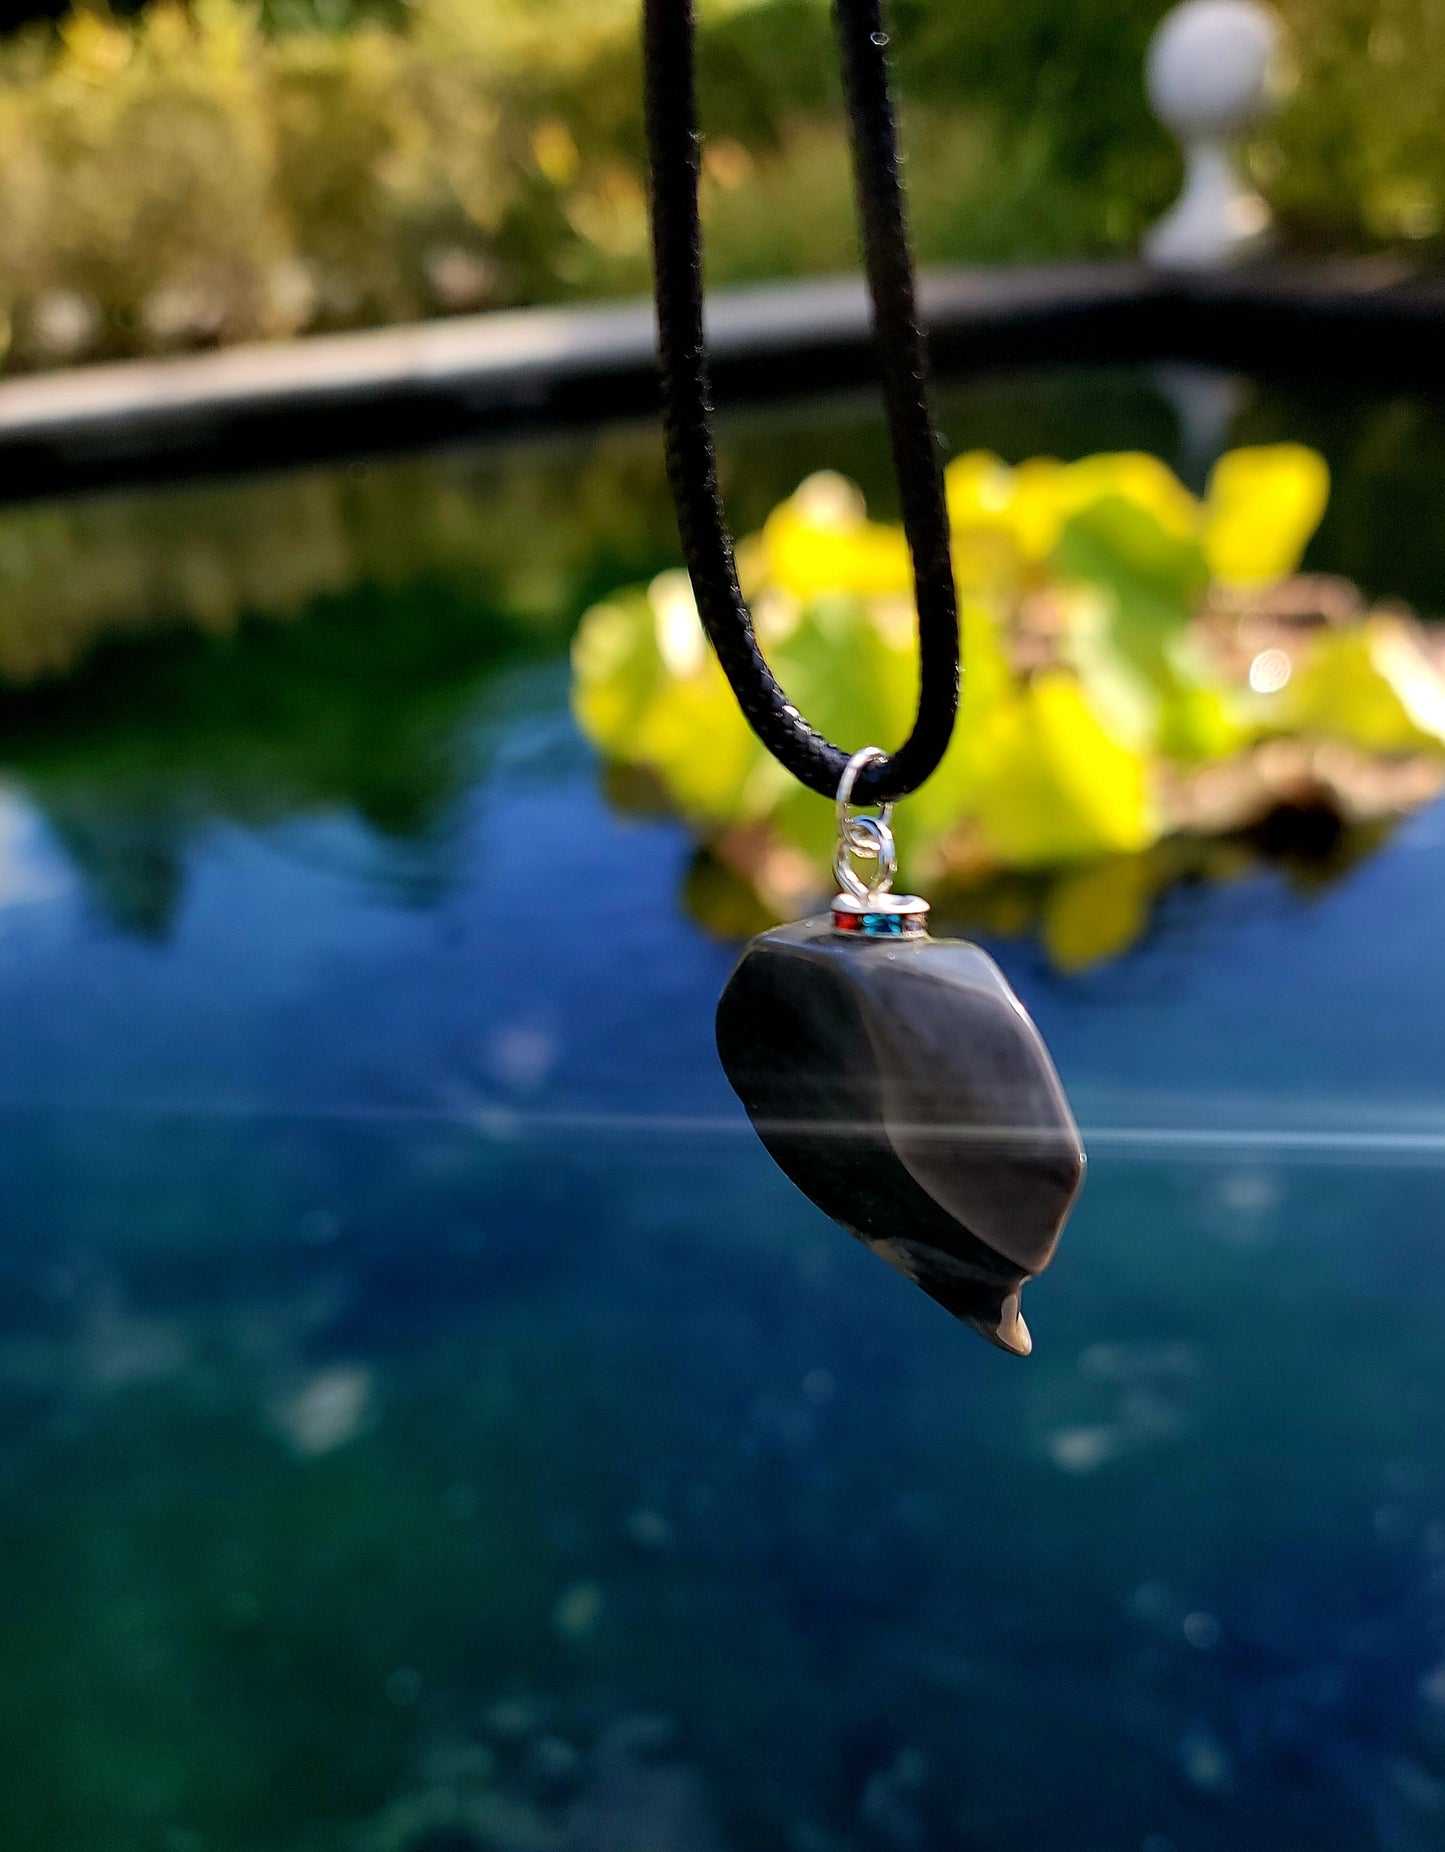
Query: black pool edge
{"x": 466, "y": 378}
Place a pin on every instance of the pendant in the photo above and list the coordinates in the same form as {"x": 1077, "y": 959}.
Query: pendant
{"x": 900, "y": 1083}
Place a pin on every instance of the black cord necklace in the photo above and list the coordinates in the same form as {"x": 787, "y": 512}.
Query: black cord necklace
{"x": 894, "y": 1077}
{"x": 674, "y": 148}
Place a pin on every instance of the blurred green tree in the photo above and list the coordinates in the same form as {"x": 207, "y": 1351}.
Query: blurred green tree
{"x": 217, "y": 171}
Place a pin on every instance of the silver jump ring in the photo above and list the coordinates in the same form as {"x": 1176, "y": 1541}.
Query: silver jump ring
{"x": 866, "y": 836}
{"x": 848, "y": 881}
{"x": 870, "y": 755}
{"x": 860, "y": 834}
{"x": 871, "y": 837}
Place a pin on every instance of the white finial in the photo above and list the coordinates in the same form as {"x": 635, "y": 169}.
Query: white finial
{"x": 1209, "y": 75}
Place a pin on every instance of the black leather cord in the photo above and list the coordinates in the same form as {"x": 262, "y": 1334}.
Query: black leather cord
{"x": 674, "y": 149}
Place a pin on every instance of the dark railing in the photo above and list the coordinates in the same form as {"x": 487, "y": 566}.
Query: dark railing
{"x": 465, "y": 379}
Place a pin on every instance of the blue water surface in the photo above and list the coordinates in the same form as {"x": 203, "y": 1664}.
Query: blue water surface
{"x": 428, "y": 1421}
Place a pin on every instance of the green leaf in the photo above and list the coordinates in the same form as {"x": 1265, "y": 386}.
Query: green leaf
{"x": 856, "y": 681}
{"x": 1372, "y": 685}
{"x": 1130, "y": 642}
{"x": 617, "y": 672}
{"x": 677, "y": 717}
{"x": 1057, "y": 786}
{"x": 1117, "y": 543}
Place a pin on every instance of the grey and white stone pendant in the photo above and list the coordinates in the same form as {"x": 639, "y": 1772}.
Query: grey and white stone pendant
{"x": 900, "y": 1083}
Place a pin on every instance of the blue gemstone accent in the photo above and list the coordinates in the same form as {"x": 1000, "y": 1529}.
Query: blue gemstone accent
{"x": 892, "y": 925}
{"x": 905, "y": 918}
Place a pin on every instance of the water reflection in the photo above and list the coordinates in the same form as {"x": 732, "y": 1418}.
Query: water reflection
{"x": 428, "y": 1423}
{"x": 369, "y": 710}
{"x": 1087, "y": 916}
{"x": 480, "y": 1497}
{"x": 323, "y": 643}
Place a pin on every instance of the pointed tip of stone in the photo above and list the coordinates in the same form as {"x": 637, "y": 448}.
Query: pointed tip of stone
{"x": 1008, "y": 1331}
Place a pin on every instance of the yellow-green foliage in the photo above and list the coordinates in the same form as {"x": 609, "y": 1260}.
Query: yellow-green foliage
{"x": 1117, "y": 655}
{"x": 191, "y": 177}
{"x": 190, "y": 180}
{"x": 526, "y": 537}
{"x": 1359, "y": 154}
{"x": 188, "y": 177}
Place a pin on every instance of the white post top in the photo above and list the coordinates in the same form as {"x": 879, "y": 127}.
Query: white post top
{"x": 1210, "y": 75}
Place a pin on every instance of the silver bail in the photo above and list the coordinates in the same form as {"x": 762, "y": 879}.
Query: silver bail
{"x": 869, "y": 908}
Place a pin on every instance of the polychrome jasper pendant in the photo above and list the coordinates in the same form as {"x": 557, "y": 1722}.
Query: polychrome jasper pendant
{"x": 900, "y": 1083}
